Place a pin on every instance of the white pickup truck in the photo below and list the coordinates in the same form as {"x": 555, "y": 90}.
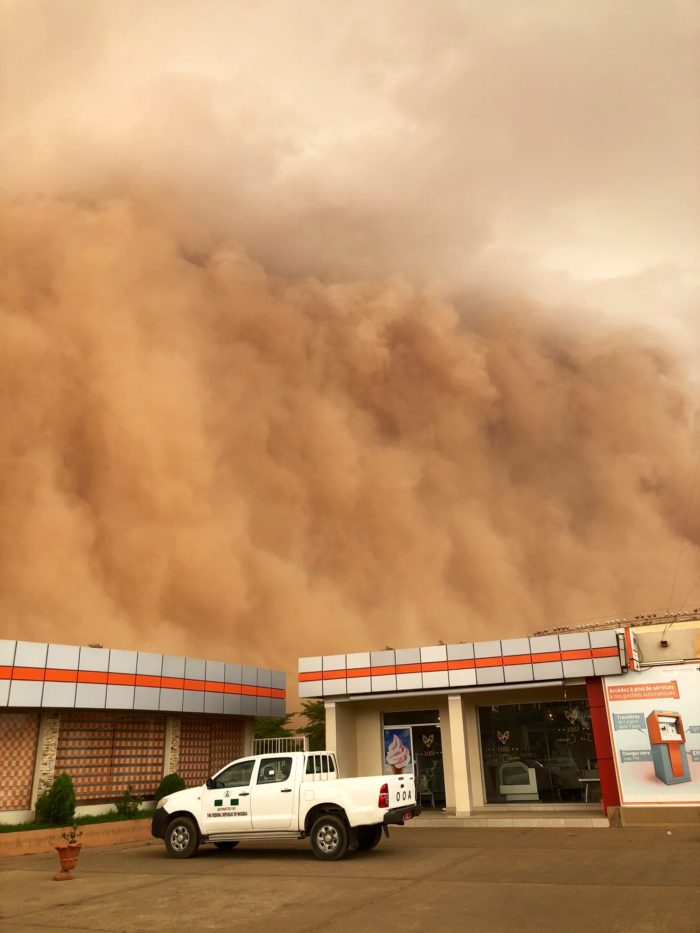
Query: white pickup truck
{"x": 285, "y": 796}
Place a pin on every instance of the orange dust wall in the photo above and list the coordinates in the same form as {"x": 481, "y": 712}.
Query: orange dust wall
{"x": 206, "y": 745}
{"x": 104, "y": 753}
{"x": 19, "y": 733}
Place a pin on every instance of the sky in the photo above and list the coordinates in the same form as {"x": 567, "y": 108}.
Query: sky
{"x": 360, "y": 316}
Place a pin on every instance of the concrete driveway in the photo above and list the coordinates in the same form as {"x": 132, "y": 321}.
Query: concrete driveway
{"x": 588, "y": 880}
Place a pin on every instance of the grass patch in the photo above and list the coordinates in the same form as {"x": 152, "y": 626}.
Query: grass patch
{"x": 87, "y": 820}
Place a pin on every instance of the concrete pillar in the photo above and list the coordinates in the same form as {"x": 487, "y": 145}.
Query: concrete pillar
{"x": 248, "y": 735}
{"x": 331, "y": 729}
{"x": 458, "y": 747}
{"x": 46, "y": 748}
{"x": 171, "y": 755}
{"x": 471, "y": 720}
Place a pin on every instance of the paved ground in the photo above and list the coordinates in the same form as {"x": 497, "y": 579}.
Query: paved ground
{"x": 588, "y": 880}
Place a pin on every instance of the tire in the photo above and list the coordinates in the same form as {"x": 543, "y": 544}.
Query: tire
{"x": 368, "y": 837}
{"x": 181, "y": 837}
{"x": 225, "y": 846}
{"x": 330, "y": 837}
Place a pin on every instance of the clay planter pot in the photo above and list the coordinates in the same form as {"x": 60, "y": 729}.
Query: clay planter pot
{"x": 68, "y": 856}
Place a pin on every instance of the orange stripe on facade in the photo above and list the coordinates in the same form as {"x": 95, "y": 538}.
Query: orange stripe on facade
{"x": 115, "y": 678}
{"x": 433, "y": 666}
{"x": 408, "y": 668}
{"x": 122, "y": 680}
{"x": 92, "y": 677}
{"x": 194, "y": 684}
{"x": 611, "y": 652}
{"x": 546, "y": 656}
{"x": 148, "y": 680}
{"x": 383, "y": 670}
{"x": 172, "y": 683}
{"x": 579, "y": 655}
{"x": 517, "y": 659}
{"x": 352, "y": 672}
{"x": 333, "y": 675}
{"x": 464, "y": 665}
{"x": 55, "y": 675}
{"x": 488, "y": 662}
{"x": 28, "y": 673}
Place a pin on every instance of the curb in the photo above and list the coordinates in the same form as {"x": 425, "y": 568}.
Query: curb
{"x": 41, "y": 841}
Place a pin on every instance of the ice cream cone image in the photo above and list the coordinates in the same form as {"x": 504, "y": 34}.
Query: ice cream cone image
{"x": 397, "y": 756}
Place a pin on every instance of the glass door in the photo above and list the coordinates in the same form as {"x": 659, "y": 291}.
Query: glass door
{"x": 412, "y": 741}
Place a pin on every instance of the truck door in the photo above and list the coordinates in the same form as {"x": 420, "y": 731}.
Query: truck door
{"x": 273, "y": 794}
{"x": 226, "y": 806}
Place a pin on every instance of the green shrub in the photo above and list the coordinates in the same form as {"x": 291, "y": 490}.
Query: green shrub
{"x": 169, "y": 785}
{"x": 127, "y": 805}
{"x": 57, "y": 805}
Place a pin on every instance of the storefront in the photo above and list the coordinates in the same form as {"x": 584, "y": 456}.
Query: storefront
{"x": 488, "y": 724}
{"x": 578, "y": 720}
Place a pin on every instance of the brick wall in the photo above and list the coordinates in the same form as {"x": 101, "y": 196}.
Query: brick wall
{"x": 18, "y": 740}
{"x": 206, "y": 745}
{"x": 105, "y": 752}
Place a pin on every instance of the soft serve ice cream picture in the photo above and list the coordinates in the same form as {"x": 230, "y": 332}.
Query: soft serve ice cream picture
{"x": 397, "y": 750}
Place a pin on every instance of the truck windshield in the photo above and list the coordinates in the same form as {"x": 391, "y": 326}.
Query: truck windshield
{"x": 236, "y": 775}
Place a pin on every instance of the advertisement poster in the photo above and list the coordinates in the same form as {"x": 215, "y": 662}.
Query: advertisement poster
{"x": 398, "y": 750}
{"x": 654, "y": 718}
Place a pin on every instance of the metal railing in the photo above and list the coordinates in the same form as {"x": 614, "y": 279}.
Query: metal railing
{"x": 291, "y": 743}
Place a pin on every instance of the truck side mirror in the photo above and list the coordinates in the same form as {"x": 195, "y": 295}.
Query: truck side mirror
{"x": 210, "y": 783}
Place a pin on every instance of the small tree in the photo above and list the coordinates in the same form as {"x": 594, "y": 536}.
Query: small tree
{"x": 57, "y": 805}
{"x": 127, "y": 806}
{"x": 272, "y": 727}
{"x": 170, "y": 784}
{"x": 314, "y": 712}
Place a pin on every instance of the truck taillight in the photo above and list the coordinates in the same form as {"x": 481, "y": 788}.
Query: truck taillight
{"x": 383, "y": 801}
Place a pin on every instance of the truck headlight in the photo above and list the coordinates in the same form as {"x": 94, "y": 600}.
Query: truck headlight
{"x": 162, "y": 802}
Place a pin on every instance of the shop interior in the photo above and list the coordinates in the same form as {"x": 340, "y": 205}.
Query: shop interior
{"x": 539, "y": 752}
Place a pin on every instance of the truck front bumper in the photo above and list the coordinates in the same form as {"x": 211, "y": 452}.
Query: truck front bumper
{"x": 159, "y": 822}
{"x": 401, "y": 815}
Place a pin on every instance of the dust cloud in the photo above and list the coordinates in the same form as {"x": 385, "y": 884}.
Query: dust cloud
{"x": 329, "y": 327}
{"x": 200, "y": 456}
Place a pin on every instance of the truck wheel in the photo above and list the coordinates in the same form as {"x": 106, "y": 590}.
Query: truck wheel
{"x": 181, "y": 837}
{"x": 329, "y": 837}
{"x": 225, "y": 846}
{"x": 368, "y": 837}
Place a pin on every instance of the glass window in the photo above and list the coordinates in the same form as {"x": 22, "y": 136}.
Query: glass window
{"x": 320, "y": 764}
{"x": 274, "y": 770}
{"x": 539, "y": 752}
{"x": 236, "y": 775}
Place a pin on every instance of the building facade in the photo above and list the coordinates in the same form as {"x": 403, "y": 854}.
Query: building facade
{"x": 534, "y": 721}
{"x": 116, "y": 719}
